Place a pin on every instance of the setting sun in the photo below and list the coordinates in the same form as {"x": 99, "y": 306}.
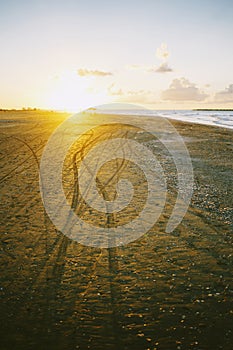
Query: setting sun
{"x": 70, "y": 92}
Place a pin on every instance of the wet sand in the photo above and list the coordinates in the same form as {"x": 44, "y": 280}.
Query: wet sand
{"x": 163, "y": 291}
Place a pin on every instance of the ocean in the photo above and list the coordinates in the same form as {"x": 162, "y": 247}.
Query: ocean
{"x": 216, "y": 118}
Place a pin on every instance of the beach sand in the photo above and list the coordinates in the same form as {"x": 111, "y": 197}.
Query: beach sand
{"x": 163, "y": 291}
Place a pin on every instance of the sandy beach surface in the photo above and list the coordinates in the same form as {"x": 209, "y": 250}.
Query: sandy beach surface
{"x": 163, "y": 291}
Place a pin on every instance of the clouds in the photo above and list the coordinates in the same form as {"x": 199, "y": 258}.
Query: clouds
{"x": 139, "y": 97}
{"x": 132, "y": 96}
{"x": 162, "y": 52}
{"x": 115, "y": 92}
{"x": 163, "y": 68}
{"x": 225, "y": 95}
{"x": 183, "y": 90}
{"x": 180, "y": 91}
{"x": 93, "y": 73}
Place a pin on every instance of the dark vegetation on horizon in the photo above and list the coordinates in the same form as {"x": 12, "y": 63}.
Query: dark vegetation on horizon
{"x": 213, "y": 109}
{"x": 28, "y": 109}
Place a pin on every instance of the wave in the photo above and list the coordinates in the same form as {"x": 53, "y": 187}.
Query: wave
{"x": 219, "y": 118}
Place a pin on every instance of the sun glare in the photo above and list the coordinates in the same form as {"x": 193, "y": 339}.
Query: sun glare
{"x": 72, "y": 93}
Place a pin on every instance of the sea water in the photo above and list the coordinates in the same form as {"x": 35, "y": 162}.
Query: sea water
{"x": 216, "y": 118}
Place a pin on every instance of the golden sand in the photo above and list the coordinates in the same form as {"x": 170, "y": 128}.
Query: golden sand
{"x": 163, "y": 291}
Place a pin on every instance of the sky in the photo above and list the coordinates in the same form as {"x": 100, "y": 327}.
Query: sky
{"x": 73, "y": 54}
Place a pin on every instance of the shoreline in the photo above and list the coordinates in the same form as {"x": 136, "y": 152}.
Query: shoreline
{"x": 96, "y": 112}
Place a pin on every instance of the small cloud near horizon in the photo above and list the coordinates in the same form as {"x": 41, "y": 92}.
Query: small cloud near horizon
{"x": 115, "y": 92}
{"x": 183, "y": 90}
{"x": 132, "y": 96}
{"x": 225, "y": 95}
{"x": 93, "y": 73}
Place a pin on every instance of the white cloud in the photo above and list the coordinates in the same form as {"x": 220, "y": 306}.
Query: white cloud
{"x": 113, "y": 91}
{"x": 183, "y": 90}
{"x": 162, "y": 52}
{"x": 140, "y": 96}
{"x": 132, "y": 96}
{"x": 134, "y": 67}
{"x": 225, "y": 95}
{"x": 163, "y": 68}
{"x": 94, "y": 73}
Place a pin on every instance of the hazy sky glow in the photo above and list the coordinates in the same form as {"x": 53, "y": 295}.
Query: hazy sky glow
{"x": 75, "y": 54}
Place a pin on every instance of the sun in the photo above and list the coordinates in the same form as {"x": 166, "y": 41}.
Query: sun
{"x": 69, "y": 92}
